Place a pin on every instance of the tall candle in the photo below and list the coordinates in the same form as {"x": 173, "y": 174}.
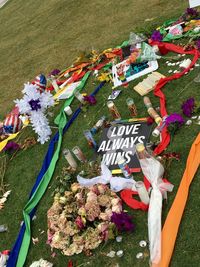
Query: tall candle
{"x": 113, "y": 110}
{"x": 70, "y": 159}
{"x": 152, "y": 112}
{"x": 79, "y": 154}
{"x": 131, "y": 106}
{"x": 55, "y": 85}
{"x": 142, "y": 192}
{"x": 79, "y": 97}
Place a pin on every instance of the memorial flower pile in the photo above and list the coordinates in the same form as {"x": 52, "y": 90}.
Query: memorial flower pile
{"x": 82, "y": 218}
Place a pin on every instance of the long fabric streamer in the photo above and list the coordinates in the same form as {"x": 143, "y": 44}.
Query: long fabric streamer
{"x": 20, "y": 249}
{"x": 158, "y": 92}
{"x": 173, "y": 220}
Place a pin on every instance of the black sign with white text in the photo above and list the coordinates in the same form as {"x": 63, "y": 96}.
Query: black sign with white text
{"x": 120, "y": 140}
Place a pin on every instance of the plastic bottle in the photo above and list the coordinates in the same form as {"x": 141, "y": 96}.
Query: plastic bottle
{"x": 141, "y": 151}
{"x": 124, "y": 168}
{"x": 98, "y": 125}
{"x": 156, "y": 132}
{"x": 91, "y": 142}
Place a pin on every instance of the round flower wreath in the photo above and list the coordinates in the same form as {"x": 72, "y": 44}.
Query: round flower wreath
{"x": 84, "y": 217}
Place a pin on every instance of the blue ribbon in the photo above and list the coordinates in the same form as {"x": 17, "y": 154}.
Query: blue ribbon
{"x": 12, "y": 260}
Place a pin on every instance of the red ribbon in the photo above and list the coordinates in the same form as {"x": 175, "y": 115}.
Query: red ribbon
{"x": 164, "y": 48}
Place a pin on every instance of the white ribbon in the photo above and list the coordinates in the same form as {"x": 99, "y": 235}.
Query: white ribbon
{"x": 153, "y": 171}
{"x": 116, "y": 183}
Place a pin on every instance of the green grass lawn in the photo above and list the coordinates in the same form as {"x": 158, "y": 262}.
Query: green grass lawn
{"x": 38, "y": 36}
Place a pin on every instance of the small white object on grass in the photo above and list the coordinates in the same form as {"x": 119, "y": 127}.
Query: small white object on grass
{"x": 143, "y": 243}
{"x": 111, "y": 254}
{"x": 120, "y": 253}
{"x": 188, "y": 122}
{"x": 139, "y": 255}
{"x": 119, "y": 239}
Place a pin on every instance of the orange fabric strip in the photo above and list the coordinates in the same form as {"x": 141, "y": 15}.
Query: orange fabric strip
{"x": 171, "y": 226}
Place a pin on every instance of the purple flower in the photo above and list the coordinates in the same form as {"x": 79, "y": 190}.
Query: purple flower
{"x": 188, "y": 107}
{"x": 11, "y": 147}
{"x": 35, "y": 104}
{"x": 174, "y": 122}
{"x": 192, "y": 12}
{"x": 123, "y": 221}
{"x": 90, "y": 99}
{"x": 174, "y": 118}
{"x": 54, "y": 72}
{"x": 198, "y": 44}
{"x": 156, "y": 36}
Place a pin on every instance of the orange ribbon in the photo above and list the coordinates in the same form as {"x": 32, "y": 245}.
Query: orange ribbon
{"x": 173, "y": 220}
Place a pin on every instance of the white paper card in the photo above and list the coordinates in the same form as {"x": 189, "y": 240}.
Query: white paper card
{"x": 194, "y": 3}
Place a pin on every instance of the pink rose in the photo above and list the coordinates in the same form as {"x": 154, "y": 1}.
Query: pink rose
{"x": 115, "y": 201}
{"x": 94, "y": 189}
{"x": 117, "y": 208}
{"x": 79, "y": 222}
{"x": 102, "y": 227}
{"x": 103, "y": 216}
{"x": 102, "y": 188}
{"x": 108, "y": 213}
{"x": 91, "y": 197}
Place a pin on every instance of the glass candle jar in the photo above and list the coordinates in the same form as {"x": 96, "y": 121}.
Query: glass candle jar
{"x": 142, "y": 192}
{"x": 70, "y": 159}
{"x": 131, "y": 106}
{"x": 113, "y": 110}
{"x": 79, "y": 154}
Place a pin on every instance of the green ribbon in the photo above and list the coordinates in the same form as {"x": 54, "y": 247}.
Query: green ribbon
{"x": 61, "y": 121}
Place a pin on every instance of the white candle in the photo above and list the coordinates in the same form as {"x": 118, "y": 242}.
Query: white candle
{"x": 79, "y": 154}
{"x": 70, "y": 159}
{"x": 79, "y": 97}
{"x": 142, "y": 192}
{"x": 55, "y": 86}
{"x": 68, "y": 110}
